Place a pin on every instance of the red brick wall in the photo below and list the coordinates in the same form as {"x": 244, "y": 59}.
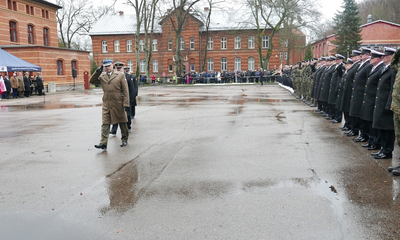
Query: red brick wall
{"x": 191, "y": 30}
{"x": 46, "y": 58}
{"x": 380, "y": 33}
{"x": 22, "y": 18}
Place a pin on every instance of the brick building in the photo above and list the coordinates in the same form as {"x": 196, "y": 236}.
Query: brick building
{"x": 376, "y": 35}
{"x": 32, "y": 28}
{"x": 229, "y": 46}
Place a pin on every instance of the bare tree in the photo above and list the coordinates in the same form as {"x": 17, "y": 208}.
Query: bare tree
{"x": 149, "y": 19}
{"x": 388, "y": 10}
{"x": 139, "y": 6}
{"x": 270, "y": 16}
{"x": 211, "y": 4}
{"x": 177, "y": 17}
{"x": 76, "y": 18}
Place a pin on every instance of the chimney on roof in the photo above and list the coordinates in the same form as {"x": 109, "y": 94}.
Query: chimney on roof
{"x": 369, "y": 18}
{"x": 121, "y": 13}
{"x": 206, "y": 9}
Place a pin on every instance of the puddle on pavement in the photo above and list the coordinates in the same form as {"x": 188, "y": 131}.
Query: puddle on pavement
{"x": 44, "y": 106}
{"x": 121, "y": 187}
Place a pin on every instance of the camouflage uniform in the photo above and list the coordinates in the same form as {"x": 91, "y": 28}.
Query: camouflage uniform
{"x": 395, "y": 107}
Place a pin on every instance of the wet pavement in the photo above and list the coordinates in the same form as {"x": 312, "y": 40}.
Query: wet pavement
{"x": 202, "y": 162}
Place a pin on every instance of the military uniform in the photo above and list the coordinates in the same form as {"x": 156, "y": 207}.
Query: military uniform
{"x": 115, "y": 100}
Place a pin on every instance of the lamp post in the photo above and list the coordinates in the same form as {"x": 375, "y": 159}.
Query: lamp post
{"x": 235, "y": 68}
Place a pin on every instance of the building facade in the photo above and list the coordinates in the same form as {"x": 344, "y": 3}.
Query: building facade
{"x": 227, "y": 49}
{"x": 376, "y": 35}
{"x": 32, "y": 28}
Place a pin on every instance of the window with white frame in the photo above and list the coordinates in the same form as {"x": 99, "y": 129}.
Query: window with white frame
{"x": 210, "y": 64}
{"x": 130, "y": 65}
{"x": 191, "y": 43}
{"x": 182, "y": 43}
{"x": 116, "y": 46}
{"x": 265, "y": 41}
{"x": 170, "y": 67}
{"x": 238, "y": 44}
{"x": 287, "y": 43}
{"x": 192, "y": 67}
{"x": 155, "y": 45}
{"x": 286, "y": 55}
{"x": 280, "y": 56}
{"x": 141, "y": 45}
{"x": 224, "y": 64}
{"x": 210, "y": 43}
{"x": 169, "y": 44}
{"x": 238, "y": 64}
{"x": 155, "y": 65}
{"x": 251, "y": 42}
{"x": 142, "y": 66}
{"x": 104, "y": 46}
{"x": 129, "y": 45}
{"x": 251, "y": 63}
{"x": 223, "y": 42}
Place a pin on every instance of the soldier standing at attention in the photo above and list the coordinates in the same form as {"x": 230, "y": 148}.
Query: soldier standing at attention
{"x": 395, "y": 106}
{"x": 115, "y": 101}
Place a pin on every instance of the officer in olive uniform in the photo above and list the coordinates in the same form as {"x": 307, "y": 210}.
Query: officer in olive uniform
{"x": 115, "y": 101}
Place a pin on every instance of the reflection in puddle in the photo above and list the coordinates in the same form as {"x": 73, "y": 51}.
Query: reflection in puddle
{"x": 121, "y": 188}
{"x": 45, "y": 106}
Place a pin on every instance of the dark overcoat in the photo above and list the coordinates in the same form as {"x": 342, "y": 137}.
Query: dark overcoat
{"x": 115, "y": 96}
{"x": 348, "y": 87}
{"x": 383, "y": 116}
{"x": 357, "y": 94}
{"x": 326, "y": 83}
{"x": 367, "y": 108}
{"x": 333, "y": 88}
{"x": 318, "y": 74}
{"x": 339, "y": 99}
{"x": 27, "y": 83}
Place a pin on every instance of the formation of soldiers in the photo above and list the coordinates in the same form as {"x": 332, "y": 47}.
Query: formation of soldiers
{"x": 363, "y": 91}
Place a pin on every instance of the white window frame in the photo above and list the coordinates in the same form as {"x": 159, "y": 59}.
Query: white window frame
{"x": 238, "y": 64}
{"x": 224, "y": 43}
{"x": 104, "y": 46}
{"x": 142, "y": 65}
{"x": 210, "y": 43}
{"x": 286, "y": 55}
{"x": 280, "y": 56}
{"x": 191, "y": 43}
{"x": 224, "y": 64}
{"x": 252, "y": 41}
{"x": 251, "y": 64}
{"x": 155, "y": 65}
{"x": 170, "y": 67}
{"x": 129, "y": 63}
{"x": 192, "y": 67}
{"x": 169, "y": 44}
{"x": 287, "y": 43}
{"x": 238, "y": 44}
{"x": 265, "y": 41}
{"x": 182, "y": 43}
{"x": 210, "y": 64}
{"x": 155, "y": 45}
{"x": 128, "y": 45}
{"x": 141, "y": 45}
{"x": 116, "y": 46}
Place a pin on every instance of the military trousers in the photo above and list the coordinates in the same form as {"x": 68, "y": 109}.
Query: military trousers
{"x": 387, "y": 138}
{"x": 396, "y": 120}
{"x": 105, "y": 132}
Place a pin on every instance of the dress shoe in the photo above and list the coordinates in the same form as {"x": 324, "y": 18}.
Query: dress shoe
{"x": 376, "y": 153}
{"x": 350, "y": 134}
{"x": 383, "y": 156}
{"x": 113, "y": 133}
{"x": 396, "y": 172}
{"x": 372, "y": 147}
{"x": 360, "y": 139}
{"x": 367, "y": 146}
{"x": 334, "y": 121}
{"x": 101, "y": 146}
{"x": 123, "y": 144}
{"x": 345, "y": 129}
{"x": 390, "y": 169}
